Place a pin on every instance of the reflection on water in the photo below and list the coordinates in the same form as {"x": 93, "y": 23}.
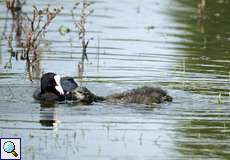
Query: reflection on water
{"x": 47, "y": 114}
{"x": 206, "y": 39}
{"x": 206, "y": 46}
{"x": 205, "y": 138}
{"x": 179, "y": 45}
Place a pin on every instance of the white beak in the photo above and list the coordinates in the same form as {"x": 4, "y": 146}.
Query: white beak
{"x": 58, "y": 87}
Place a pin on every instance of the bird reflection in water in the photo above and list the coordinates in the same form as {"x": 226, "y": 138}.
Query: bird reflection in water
{"x": 48, "y": 116}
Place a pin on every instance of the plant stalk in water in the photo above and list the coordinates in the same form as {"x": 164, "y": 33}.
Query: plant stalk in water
{"x": 219, "y": 99}
{"x": 80, "y": 24}
{"x": 29, "y": 31}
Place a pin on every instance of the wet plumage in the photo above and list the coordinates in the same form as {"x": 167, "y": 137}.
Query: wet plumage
{"x": 55, "y": 88}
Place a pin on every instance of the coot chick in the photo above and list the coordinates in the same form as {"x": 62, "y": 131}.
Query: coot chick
{"x": 142, "y": 95}
{"x": 85, "y": 96}
{"x": 55, "y": 88}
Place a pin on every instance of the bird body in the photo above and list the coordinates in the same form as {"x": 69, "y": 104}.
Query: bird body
{"x": 55, "y": 88}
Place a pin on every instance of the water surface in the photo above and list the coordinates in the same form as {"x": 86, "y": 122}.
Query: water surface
{"x": 182, "y": 46}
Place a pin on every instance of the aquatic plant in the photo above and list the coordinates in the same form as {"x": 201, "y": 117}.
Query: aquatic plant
{"x": 29, "y": 31}
{"x": 184, "y": 73}
{"x": 219, "y": 99}
{"x": 229, "y": 81}
{"x": 15, "y": 8}
{"x": 36, "y": 28}
{"x": 8, "y": 65}
{"x": 80, "y": 25}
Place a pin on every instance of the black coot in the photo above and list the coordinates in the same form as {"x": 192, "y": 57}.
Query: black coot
{"x": 55, "y": 88}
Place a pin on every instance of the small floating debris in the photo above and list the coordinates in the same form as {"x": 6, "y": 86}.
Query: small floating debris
{"x": 148, "y": 28}
{"x": 63, "y": 30}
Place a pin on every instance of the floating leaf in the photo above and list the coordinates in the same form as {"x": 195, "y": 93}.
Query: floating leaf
{"x": 63, "y": 30}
